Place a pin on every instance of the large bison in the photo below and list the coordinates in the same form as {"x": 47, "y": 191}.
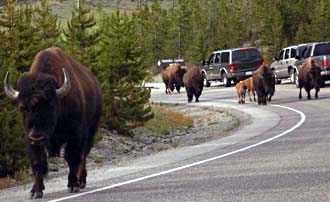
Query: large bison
{"x": 309, "y": 77}
{"x": 173, "y": 78}
{"x": 61, "y": 103}
{"x": 193, "y": 82}
{"x": 264, "y": 83}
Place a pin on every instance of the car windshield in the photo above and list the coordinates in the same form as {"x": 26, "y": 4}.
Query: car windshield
{"x": 322, "y": 49}
{"x": 245, "y": 55}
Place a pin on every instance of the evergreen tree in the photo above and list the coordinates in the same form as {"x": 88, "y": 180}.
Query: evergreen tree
{"x": 125, "y": 105}
{"x": 26, "y": 43}
{"x": 81, "y": 35}
{"x": 12, "y": 151}
{"x": 320, "y": 21}
{"x": 47, "y": 25}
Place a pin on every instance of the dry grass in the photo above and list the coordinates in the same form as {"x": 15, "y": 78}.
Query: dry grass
{"x": 6, "y": 182}
{"x": 166, "y": 120}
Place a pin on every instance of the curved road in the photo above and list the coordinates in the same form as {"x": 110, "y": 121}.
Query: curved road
{"x": 282, "y": 156}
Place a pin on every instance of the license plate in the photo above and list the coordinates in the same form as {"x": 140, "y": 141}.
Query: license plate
{"x": 248, "y": 73}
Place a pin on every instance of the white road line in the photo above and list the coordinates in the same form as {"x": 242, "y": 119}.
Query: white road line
{"x": 302, "y": 120}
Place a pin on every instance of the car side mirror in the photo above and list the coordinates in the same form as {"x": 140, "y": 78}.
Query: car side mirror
{"x": 275, "y": 58}
{"x": 203, "y": 62}
{"x": 298, "y": 57}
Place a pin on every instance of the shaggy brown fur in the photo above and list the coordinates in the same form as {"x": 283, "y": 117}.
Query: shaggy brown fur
{"x": 241, "y": 91}
{"x": 193, "y": 82}
{"x": 309, "y": 77}
{"x": 54, "y": 121}
{"x": 173, "y": 78}
{"x": 264, "y": 83}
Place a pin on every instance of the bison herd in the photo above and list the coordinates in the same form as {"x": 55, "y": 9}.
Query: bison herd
{"x": 61, "y": 104}
{"x": 261, "y": 83}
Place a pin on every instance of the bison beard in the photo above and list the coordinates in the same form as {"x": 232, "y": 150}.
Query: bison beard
{"x": 193, "y": 82}
{"x": 309, "y": 77}
{"x": 54, "y": 115}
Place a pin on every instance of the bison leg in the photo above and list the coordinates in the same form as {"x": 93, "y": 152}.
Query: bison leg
{"x": 316, "y": 92}
{"x": 177, "y": 87}
{"x": 300, "y": 93}
{"x": 189, "y": 94}
{"x": 82, "y": 173}
{"x": 73, "y": 158}
{"x": 38, "y": 157}
{"x": 308, "y": 94}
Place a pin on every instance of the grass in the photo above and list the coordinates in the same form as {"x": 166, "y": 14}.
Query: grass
{"x": 166, "y": 120}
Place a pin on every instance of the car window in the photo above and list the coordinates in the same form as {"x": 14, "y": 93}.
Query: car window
{"x": 287, "y": 54}
{"x": 293, "y": 53}
{"x": 225, "y": 57}
{"x": 245, "y": 54}
{"x": 280, "y": 56}
{"x": 211, "y": 59}
{"x": 217, "y": 58}
{"x": 301, "y": 50}
{"x": 322, "y": 49}
{"x": 307, "y": 52}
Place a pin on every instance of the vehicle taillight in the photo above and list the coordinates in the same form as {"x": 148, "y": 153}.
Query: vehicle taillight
{"x": 243, "y": 49}
{"x": 264, "y": 62}
{"x": 325, "y": 62}
{"x": 231, "y": 67}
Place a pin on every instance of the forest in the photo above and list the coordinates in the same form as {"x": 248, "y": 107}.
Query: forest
{"x": 121, "y": 42}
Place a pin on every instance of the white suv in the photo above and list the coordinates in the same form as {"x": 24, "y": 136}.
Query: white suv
{"x": 284, "y": 64}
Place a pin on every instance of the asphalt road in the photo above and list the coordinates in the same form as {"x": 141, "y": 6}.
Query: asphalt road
{"x": 283, "y": 155}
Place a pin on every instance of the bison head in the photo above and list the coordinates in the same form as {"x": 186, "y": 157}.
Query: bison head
{"x": 179, "y": 76}
{"x": 37, "y": 97}
{"x": 267, "y": 77}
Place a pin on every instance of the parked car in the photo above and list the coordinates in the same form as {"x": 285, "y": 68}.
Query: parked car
{"x": 231, "y": 65}
{"x": 284, "y": 64}
{"x": 320, "y": 53}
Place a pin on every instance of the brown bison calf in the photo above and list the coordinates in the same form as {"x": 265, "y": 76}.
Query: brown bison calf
{"x": 264, "y": 83}
{"x": 244, "y": 85}
{"x": 309, "y": 77}
{"x": 173, "y": 78}
{"x": 193, "y": 82}
{"x": 241, "y": 91}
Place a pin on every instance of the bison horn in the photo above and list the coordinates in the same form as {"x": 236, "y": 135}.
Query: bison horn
{"x": 11, "y": 93}
{"x": 65, "y": 88}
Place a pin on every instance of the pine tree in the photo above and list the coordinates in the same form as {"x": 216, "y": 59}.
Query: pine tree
{"x": 81, "y": 35}
{"x": 125, "y": 105}
{"x": 320, "y": 21}
{"x": 47, "y": 25}
{"x": 26, "y": 43}
{"x": 12, "y": 151}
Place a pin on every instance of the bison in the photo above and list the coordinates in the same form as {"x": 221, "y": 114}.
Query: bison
{"x": 193, "y": 82}
{"x": 173, "y": 78}
{"x": 264, "y": 83}
{"x": 241, "y": 91}
{"x": 309, "y": 77}
{"x": 61, "y": 104}
{"x": 247, "y": 84}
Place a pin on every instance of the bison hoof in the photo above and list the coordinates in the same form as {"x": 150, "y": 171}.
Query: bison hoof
{"x": 74, "y": 189}
{"x": 35, "y": 195}
{"x": 82, "y": 185}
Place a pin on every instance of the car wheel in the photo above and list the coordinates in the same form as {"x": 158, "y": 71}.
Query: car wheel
{"x": 226, "y": 81}
{"x": 277, "y": 81}
{"x": 206, "y": 83}
{"x": 293, "y": 75}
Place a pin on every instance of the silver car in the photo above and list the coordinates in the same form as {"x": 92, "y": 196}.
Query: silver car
{"x": 284, "y": 64}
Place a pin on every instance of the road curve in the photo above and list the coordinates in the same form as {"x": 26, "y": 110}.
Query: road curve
{"x": 281, "y": 156}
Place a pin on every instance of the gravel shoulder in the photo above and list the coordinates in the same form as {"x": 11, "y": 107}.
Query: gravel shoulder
{"x": 209, "y": 124}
